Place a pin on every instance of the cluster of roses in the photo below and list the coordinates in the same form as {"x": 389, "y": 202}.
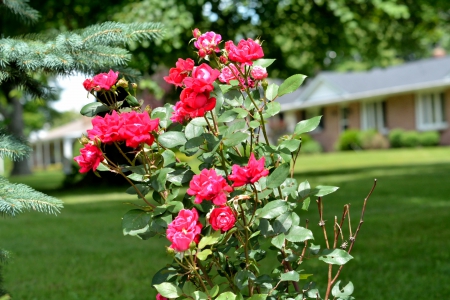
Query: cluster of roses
{"x": 209, "y": 186}
{"x": 133, "y": 128}
{"x": 235, "y": 63}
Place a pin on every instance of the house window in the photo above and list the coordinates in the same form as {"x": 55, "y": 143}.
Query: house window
{"x": 430, "y": 111}
{"x": 344, "y": 122}
{"x": 314, "y": 112}
{"x": 373, "y": 116}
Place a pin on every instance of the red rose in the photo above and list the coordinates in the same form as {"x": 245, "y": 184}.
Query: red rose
{"x": 184, "y": 229}
{"x": 179, "y": 115}
{"x": 222, "y": 218}
{"x": 202, "y": 78}
{"x": 105, "y": 80}
{"x": 137, "y": 127}
{"x": 106, "y": 129}
{"x": 245, "y": 52}
{"x": 209, "y": 186}
{"x": 159, "y": 297}
{"x": 90, "y": 158}
{"x": 88, "y": 85}
{"x": 196, "y": 104}
{"x": 178, "y": 74}
{"x": 248, "y": 174}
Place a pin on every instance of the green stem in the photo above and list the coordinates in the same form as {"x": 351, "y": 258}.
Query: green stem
{"x": 199, "y": 277}
{"x": 208, "y": 279}
{"x": 123, "y": 154}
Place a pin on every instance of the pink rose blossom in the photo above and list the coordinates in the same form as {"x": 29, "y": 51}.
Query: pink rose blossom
{"x": 184, "y": 229}
{"x": 196, "y": 33}
{"x": 202, "y": 78}
{"x": 106, "y": 129}
{"x": 207, "y": 43}
{"x": 248, "y": 174}
{"x": 230, "y": 72}
{"x": 137, "y": 127}
{"x": 209, "y": 186}
{"x": 179, "y": 115}
{"x": 105, "y": 80}
{"x": 245, "y": 52}
{"x": 258, "y": 73}
{"x": 159, "y": 297}
{"x": 90, "y": 158}
{"x": 222, "y": 218}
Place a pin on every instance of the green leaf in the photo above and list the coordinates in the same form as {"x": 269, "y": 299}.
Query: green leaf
{"x": 226, "y": 296}
{"x": 169, "y": 157}
{"x": 272, "y": 109}
{"x": 203, "y": 254}
{"x": 283, "y": 223}
{"x": 209, "y": 240}
{"x": 299, "y": 234}
{"x": 92, "y": 109}
{"x": 193, "y": 131}
{"x": 290, "y": 276}
{"x": 304, "y": 189}
{"x": 305, "y": 204}
{"x": 258, "y": 297}
{"x": 227, "y": 116}
{"x": 199, "y": 295}
{"x": 235, "y": 138}
{"x": 168, "y": 290}
{"x": 242, "y": 277}
{"x": 291, "y": 84}
{"x": 264, "y": 62}
{"x": 241, "y": 113}
{"x": 101, "y": 167}
{"x": 200, "y": 121}
{"x": 135, "y": 221}
{"x": 172, "y": 139}
{"x": 335, "y": 256}
{"x": 278, "y": 241}
{"x": 292, "y": 145}
{"x": 143, "y": 188}
{"x": 163, "y": 275}
{"x": 189, "y": 288}
{"x": 278, "y": 176}
{"x": 236, "y": 126}
{"x": 234, "y": 82}
{"x": 307, "y": 125}
{"x": 254, "y": 124}
{"x": 273, "y": 209}
{"x": 194, "y": 142}
{"x": 272, "y": 91}
{"x": 214, "y": 291}
{"x": 225, "y": 87}
{"x": 132, "y": 101}
{"x": 322, "y": 190}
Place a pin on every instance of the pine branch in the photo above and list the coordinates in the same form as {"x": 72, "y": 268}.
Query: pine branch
{"x": 22, "y": 9}
{"x": 13, "y": 147}
{"x": 15, "y": 198}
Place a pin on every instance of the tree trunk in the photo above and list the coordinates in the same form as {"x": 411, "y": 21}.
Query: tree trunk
{"x": 16, "y": 127}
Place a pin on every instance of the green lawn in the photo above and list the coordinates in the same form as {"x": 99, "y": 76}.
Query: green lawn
{"x": 401, "y": 252}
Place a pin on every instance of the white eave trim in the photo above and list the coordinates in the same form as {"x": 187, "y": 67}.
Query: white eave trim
{"x": 410, "y": 88}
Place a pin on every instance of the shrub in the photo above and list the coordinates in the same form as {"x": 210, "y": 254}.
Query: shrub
{"x": 409, "y": 139}
{"x": 349, "y": 140}
{"x": 372, "y": 139}
{"x": 429, "y": 139}
{"x": 395, "y": 138}
{"x": 311, "y": 147}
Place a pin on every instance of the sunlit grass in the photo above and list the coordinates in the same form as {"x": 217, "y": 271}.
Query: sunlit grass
{"x": 401, "y": 252}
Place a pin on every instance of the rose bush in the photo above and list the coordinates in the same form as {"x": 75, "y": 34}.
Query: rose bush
{"x": 239, "y": 207}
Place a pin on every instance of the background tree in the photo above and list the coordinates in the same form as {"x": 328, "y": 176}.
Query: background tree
{"x": 23, "y": 59}
{"x": 303, "y": 35}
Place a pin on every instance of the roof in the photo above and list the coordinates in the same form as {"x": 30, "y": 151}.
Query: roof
{"x": 335, "y": 87}
{"x": 72, "y": 130}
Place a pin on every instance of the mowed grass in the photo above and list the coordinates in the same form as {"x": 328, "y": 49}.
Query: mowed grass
{"x": 400, "y": 253}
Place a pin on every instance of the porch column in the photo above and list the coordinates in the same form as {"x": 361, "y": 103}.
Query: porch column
{"x": 47, "y": 160}
{"x": 67, "y": 155}
{"x": 39, "y": 153}
{"x": 57, "y": 151}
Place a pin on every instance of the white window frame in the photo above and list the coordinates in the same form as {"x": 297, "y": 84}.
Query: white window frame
{"x": 429, "y": 113}
{"x": 377, "y": 118}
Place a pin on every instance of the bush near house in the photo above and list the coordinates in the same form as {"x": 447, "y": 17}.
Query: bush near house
{"x": 310, "y": 146}
{"x": 355, "y": 139}
{"x": 400, "y": 138}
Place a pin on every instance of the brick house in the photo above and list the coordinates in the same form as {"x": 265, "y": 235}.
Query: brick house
{"x": 411, "y": 96}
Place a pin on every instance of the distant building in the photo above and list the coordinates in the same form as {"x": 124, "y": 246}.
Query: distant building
{"x": 412, "y": 96}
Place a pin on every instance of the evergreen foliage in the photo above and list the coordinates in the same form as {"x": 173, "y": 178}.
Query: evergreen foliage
{"x": 13, "y": 147}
